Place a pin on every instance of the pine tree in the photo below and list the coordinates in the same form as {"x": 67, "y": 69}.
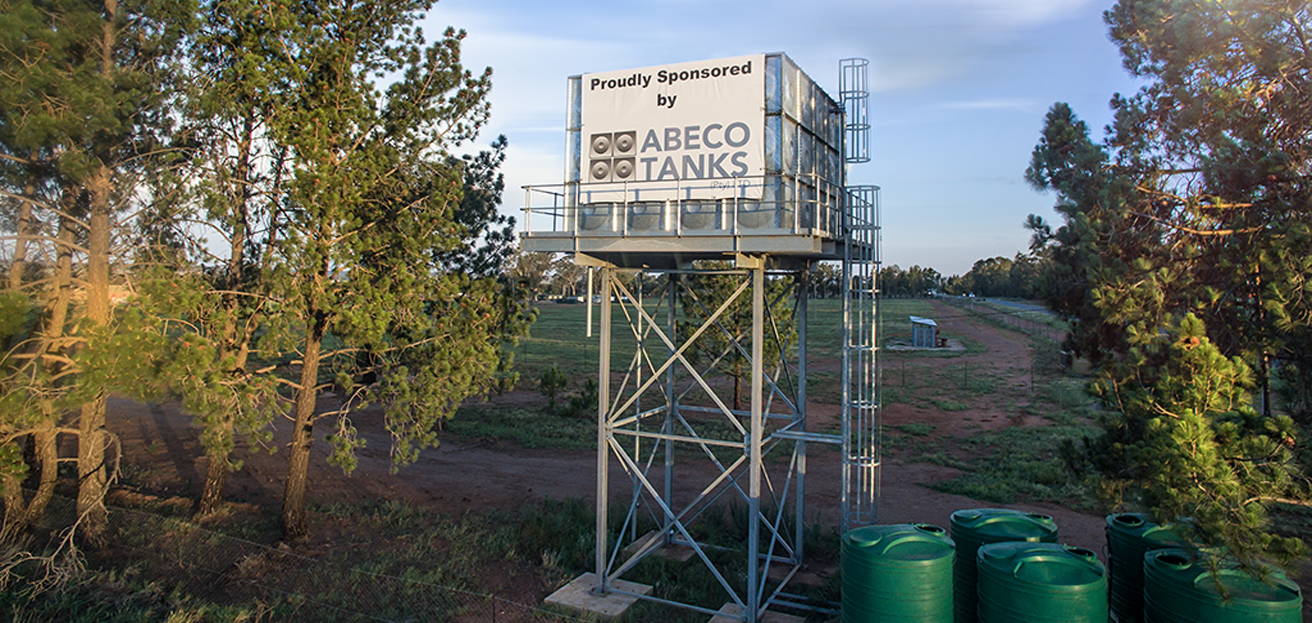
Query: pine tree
{"x": 231, "y": 176}
{"x": 1185, "y": 443}
{"x": 82, "y": 118}
{"x": 1182, "y": 258}
{"x": 370, "y": 206}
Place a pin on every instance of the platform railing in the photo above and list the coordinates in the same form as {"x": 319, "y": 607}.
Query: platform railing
{"x": 810, "y": 206}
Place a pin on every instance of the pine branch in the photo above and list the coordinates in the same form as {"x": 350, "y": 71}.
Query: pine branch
{"x": 1197, "y": 232}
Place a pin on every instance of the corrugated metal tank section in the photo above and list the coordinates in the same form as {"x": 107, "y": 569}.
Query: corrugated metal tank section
{"x": 800, "y": 191}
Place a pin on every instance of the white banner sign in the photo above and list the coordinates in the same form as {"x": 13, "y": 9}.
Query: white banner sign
{"x": 686, "y": 131}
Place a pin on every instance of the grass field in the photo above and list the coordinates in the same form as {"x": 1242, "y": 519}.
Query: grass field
{"x": 559, "y": 336}
{"x": 1031, "y": 470}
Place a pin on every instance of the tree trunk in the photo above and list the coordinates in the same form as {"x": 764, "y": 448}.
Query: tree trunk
{"x": 234, "y": 338}
{"x": 294, "y": 525}
{"x": 61, "y": 289}
{"x": 25, "y": 230}
{"x": 47, "y": 452}
{"x": 737, "y": 387}
{"x": 15, "y": 508}
{"x": 92, "y": 475}
{"x": 19, "y": 513}
{"x": 216, "y": 478}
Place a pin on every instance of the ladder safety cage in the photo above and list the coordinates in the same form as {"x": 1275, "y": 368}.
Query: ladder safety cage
{"x": 862, "y": 395}
{"x": 854, "y": 91}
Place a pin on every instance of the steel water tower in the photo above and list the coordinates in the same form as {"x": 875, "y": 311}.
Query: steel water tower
{"x": 731, "y": 171}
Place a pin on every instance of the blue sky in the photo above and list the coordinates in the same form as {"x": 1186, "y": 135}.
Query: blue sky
{"x": 959, "y": 89}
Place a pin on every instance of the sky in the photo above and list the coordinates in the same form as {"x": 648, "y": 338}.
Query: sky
{"x": 959, "y": 90}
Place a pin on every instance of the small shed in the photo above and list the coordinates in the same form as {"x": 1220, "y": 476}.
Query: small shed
{"x": 924, "y": 332}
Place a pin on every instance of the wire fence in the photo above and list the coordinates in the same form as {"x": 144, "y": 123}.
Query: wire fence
{"x": 276, "y": 583}
{"x": 1037, "y": 323}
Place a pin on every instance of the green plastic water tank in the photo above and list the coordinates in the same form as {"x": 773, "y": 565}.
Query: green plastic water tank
{"x": 1040, "y": 583}
{"x": 1178, "y": 589}
{"x": 981, "y": 526}
{"x": 897, "y": 574}
{"x": 1129, "y": 537}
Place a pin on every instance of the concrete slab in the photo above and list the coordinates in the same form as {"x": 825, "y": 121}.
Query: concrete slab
{"x": 729, "y": 614}
{"x": 680, "y": 553}
{"x": 578, "y": 595}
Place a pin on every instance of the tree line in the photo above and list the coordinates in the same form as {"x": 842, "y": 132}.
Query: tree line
{"x": 240, "y": 205}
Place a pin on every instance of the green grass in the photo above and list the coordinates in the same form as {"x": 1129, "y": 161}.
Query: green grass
{"x": 1039, "y": 318}
{"x": 387, "y": 559}
{"x": 530, "y": 428}
{"x": 120, "y": 597}
{"x": 824, "y": 387}
{"x": 558, "y": 337}
{"x": 1020, "y": 464}
{"x": 951, "y": 387}
{"x": 916, "y": 429}
{"x": 949, "y": 405}
{"x": 1045, "y": 327}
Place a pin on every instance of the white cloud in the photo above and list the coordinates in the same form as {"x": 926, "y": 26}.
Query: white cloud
{"x": 1020, "y": 105}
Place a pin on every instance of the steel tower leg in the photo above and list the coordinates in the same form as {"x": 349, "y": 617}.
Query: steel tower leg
{"x": 801, "y": 320}
{"x": 671, "y": 401}
{"x": 603, "y": 429}
{"x": 754, "y": 446}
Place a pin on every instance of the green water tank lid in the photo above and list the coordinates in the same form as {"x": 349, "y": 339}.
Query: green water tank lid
{"x": 1047, "y": 564}
{"x": 1141, "y": 526}
{"x": 1006, "y": 524}
{"x": 905, "y": 542}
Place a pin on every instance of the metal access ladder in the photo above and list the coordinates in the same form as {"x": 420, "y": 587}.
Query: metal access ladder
{"x": 862, "y": 427}
{"x": 862, "y": 404}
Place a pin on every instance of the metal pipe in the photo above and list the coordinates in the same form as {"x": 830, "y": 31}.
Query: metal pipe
{"x": 758, "y": 430}
{"x": 802, "y": 284}
{"x": 603, "y": 432}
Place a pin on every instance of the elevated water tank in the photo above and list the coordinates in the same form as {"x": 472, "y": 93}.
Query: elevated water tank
{"x": 697, "y": 160}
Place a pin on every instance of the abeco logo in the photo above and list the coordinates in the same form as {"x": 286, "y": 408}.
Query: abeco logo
{"x": 612, "y": 156}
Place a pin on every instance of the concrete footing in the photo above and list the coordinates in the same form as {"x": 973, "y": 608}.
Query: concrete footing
{"x": 579, "y": 595}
